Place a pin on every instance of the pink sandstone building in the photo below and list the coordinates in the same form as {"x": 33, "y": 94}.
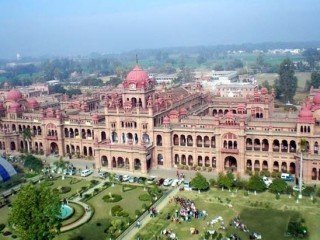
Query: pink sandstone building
{"x": 137, "y": 127}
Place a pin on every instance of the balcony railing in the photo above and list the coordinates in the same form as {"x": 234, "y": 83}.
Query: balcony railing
{"x": 52, "y": 137}
{"x": 229, "y": 150}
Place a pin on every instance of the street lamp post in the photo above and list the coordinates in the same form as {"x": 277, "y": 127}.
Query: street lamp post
{"x": 300, "y": 177}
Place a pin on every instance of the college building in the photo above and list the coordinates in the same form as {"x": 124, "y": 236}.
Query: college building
{"x": 137, "y": 127}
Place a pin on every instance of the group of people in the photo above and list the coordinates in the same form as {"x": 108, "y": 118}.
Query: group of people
{"x": 187, "y": 210}
{"x": 238, "y": 224}
{"x": 153, "y": 212}
{"x": 169, "y": 234}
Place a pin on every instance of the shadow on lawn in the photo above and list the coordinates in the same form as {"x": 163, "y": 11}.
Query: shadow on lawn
{"x": 270, "y": 223}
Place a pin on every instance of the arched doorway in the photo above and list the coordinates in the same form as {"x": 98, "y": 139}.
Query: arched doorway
{"x": 230, "y": 163}
{"x": 12, "y": 146}
{"x": 160, "y": 159}
{"x": 104, "y": 161}
{"x": 137, "y": 164}
{"x": 54, "y": 149}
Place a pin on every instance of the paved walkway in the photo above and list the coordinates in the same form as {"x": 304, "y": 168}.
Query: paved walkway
{"x": 144, "y": 221}
{"x": 87, "y": 215}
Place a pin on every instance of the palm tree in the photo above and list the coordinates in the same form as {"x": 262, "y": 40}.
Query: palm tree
{"x": 62, "y": 165}
{"x": 303, "y": 148}
{"x": 27, "y": 135}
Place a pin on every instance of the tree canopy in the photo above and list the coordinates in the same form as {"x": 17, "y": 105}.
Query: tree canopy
{"x": 278, "y": 186}
{"x": 199, "y": 182}
{"x": 35, "y": 213}
{"x": 286, "y": 84}
{"x": 226, "y": 181}
{"x": 256, "y": 184}
{"x": 33, "y": 163}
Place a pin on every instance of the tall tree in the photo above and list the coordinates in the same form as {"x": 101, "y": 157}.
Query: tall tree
{"x": 312, "y": 55}
{"x": 27, "y": 136}
{"x": 315, "y": 79}
{"x": 286, "y": 84}
{"x": 35, "y": 213}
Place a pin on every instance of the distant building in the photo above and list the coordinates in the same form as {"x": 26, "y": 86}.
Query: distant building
{"x": 164, "y": 78}
{"x": 53, "y": 82}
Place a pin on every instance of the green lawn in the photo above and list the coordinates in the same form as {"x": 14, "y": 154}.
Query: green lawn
{"x": 75, "y": 184}
{"x": 130, "y": 203}
{"x": 270, "y": 221}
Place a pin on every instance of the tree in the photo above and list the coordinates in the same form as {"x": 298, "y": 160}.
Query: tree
{"x": 226, "y": 180}
{"x": 61, "y": 164}
{"x": 267, "y": 85}
{"x": 33, "y": 163}
{"x": 260, "y": 60}
{"x": 35, "y": 213}
{"x": 278, "y": 186}
{"x": 315, "y": 79}
{"x": 199, "y": 182}
{"x": 312, "y": 56}
{"x": 27, "y": 135}
{"x": 256, "y": 183}
{"x": 286, "y": 84}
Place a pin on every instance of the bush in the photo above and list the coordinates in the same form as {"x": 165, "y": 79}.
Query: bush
{"x": 94, "y": 182}
{"x": 33, "y": 163}
{"x": 275, "y": 174}
{"x": 296, "y": 228}
{"x": 113, "y": 198}
{"x": 65, "y": 189}
{"x": 278, "y": 186}
{"x": 241, "y": 184}
{"x": 226, "y": 181}
{"x": 7, "y": 233}
{"x": 199, "y": 182}
{"x": 265, "y": 173}
{"x": 145, "y": 197}
{"x": 2, "y": 226}
{"x": 137, "y": 212}
{"x": 256, "y": 184}
{"x": 308, "y": 191}
{"x": 212, "y": 182}
{"x": 118, "y": 211}
{"x": 77, "y": 238}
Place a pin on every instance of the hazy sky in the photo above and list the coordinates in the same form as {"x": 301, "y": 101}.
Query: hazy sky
{"x": 69, "y": 27}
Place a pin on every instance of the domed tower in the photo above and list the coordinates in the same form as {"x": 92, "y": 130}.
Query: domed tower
{"x": 137, "y": 86}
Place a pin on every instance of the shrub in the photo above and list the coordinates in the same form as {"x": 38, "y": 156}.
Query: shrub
{"x": 199, "y": 182}
{"x": 112, "y": 198}
{"x": 296, "y": 228}
{"x": 278, "y": 186}
{"x": 256, "y": 184}
{"x": 308, "y": 191}
{"x": 2, "y": 226}
{"x": 117, "y": 210}
{"x": 65, "y": 189}
{"x": 126, "y": 188}
{"x": 137, "y": 212}
{"x": 275, "y": 174}
{"x": 265, "y": 173}
{"x": 94, "y": 182}
{"x": 14, "y": 236}
{"x": 7, "y": 233}
{"x": 77, "y": 238}
{"x": 226, "y": 181}
{"x": 209, "y": 169}
{"x": 145, "y": 197}
{"x": 212, "y": 182}
{"x": 240, "y": 183}
{"x": 33, "y": 163}
{"x": 98, "y": 224}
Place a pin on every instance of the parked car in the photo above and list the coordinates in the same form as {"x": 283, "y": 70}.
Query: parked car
{"x": 71, "y": 171}
{"x": 103, "y": 174}
{"x": 287, "y": 177}
{"x": 267, "y": 181}
{"x": 86, "y": 172}
{"x": 151, "y": 179}
{"x": 167, "y": 182}
{"x": 141, "y": 180}
{"x": 175, "y": 182}
{"x": 125, "y": 178}
{"x": 118, "y": 178}
{"x": 160, "y": 181}
{"x": 133, "y": 179}
{"x": 186, "y": 186}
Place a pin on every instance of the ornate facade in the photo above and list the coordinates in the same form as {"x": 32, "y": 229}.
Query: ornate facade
{"x": 137, "y": 127}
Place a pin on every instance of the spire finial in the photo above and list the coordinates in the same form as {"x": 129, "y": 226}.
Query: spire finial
{"x": 137, "y": 59}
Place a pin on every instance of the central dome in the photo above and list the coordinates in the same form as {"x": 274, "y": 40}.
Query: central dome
{"x": 137, "y": 78}
{"x": 316, "y": 99}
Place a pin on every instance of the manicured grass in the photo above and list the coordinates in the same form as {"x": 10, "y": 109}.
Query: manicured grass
{"x": 102, "y": 211}
{"x": 270, "y": 221}
{"x": 67, "y": 183}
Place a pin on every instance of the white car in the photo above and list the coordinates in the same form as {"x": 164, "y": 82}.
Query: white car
{"x": 175, "y": 182}
{"x": 267, "y": 181}
{"x": 125, "y": 178}
{"x": 86, "y": 172}
{"x": 167, "y": 182}
{"x": 186, "y": 186}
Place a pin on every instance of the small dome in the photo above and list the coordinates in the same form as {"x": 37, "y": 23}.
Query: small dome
{"x": 14, "y": 95}
{"x": 15, "y": 105}
{"x": 305, "y": 113}
{"x": 183, "y": 111}
{"x": 264, "y": 91}
{"x": 316, "y": 98}
{"x": 32, "y": 103}
{"x": 166, "y": 120}
{"x": 174, "y": 112}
